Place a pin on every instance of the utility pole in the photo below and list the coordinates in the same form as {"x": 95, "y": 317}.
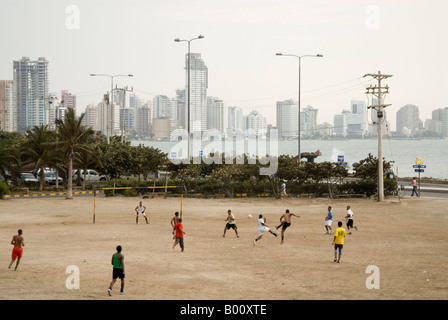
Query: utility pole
{"x": 123, "y": 122}
{"x": 378, "y": 92}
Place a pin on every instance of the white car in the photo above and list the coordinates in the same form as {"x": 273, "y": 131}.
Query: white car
{"x": 50, "y": 178}
{"x": 91, "y": 175}
{"x": 27, "y": 177}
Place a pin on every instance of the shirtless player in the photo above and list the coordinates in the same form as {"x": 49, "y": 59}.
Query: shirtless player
{"x": 17, "y": 251}
{"x": 285, "y": 222}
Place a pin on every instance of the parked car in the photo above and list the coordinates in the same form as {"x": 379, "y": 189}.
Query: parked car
{"x": 50, "y": 178}
{"x": 28, "y": 177}
{"x": 91, "y": 175}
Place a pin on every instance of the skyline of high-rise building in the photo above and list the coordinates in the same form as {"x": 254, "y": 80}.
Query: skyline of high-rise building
{"x": 32, "y": 103}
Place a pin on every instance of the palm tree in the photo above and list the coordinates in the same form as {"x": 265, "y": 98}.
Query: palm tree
{"x": 72, "y": 138}
{"x": 36, "y": 152}
{"x": 9, "y": 158}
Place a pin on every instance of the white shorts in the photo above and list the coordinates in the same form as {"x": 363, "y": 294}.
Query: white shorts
{"x": 141, "y": 213}
{"x": 263, "y": 231}
{"x": 328, "y": 223}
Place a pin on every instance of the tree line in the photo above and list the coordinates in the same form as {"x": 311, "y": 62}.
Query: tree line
{"x": 74, "y": 146}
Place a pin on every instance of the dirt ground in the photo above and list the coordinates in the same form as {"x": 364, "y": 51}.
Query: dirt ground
{"x": 405, "y": 241}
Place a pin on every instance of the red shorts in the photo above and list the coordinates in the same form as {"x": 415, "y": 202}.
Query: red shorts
{"x": 17, "y": 253}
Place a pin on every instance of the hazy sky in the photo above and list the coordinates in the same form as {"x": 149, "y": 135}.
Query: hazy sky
{"x": 405, "y": 38}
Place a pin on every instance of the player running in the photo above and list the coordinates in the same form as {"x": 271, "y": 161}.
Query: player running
{"x": 338, "y": 241}
{"x": 179, "y": 236}
{"x": 285, "y": 222}
{"x": 117, "y": 270}
{"x": 174, "y": 221}
{"x": 17, "y": 251}
{"x": 329, "y": 220}
{"x": 349, "y": 218}
{"x": 263, "y": 228}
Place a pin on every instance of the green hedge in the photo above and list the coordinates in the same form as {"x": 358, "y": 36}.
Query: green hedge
{"x": 209, "y": 187}
{"x": 4, "y": 189}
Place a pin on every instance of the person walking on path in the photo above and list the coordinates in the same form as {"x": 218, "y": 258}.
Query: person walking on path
{"x": 117, "y": 270}
{"x": 18, "y": 242}
{"x": 283, "y": 191}
{"x": 414, "y": 187}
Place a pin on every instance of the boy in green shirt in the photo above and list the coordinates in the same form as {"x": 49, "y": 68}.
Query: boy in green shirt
{"x": 118, "y": 270}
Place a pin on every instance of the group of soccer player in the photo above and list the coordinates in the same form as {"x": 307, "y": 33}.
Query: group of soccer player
{"x": 339, "y": 233}
{"x": 178, "y": 233}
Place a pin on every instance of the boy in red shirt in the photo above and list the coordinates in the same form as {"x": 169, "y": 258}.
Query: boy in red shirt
{"x": 179, "y": 235}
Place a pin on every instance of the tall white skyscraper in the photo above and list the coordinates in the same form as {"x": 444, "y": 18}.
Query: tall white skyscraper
{"x": 31, "y": 86}
{"x": 408, "y": 120}
{"x": 8, "y": 119}
{"x": 442, "y": 116}
{"x": 215, "y": 114}
{"x": 235, "y": 119}
{"x": 165, "y": 107}
{"x": 90, "y": 117}
{"x": 308, "y": 121}
{"x": 198, "y": 92}
{"x": 287, "y": 118}
{"x": 68, "y": 100}
{"x": 256, "y": 122}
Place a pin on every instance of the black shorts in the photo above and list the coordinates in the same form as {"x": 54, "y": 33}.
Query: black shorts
{"x": 231, "y": 225}
{"x": 350, "y": 223}
{"x": 180, "y": 241}
{"x": 340, "y": 246}
{"x": 117, "y": 273}
{"x": 286, "y": 225}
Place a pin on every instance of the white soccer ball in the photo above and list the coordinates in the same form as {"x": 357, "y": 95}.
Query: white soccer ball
{"x": 249, "y": 216}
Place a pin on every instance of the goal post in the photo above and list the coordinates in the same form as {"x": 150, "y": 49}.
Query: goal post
{"x": 95, "y": 191}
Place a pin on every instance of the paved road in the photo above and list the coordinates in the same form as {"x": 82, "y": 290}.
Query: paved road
{"x": 432, "y": 190}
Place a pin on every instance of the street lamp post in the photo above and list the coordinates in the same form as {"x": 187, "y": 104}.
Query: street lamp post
{"x": 188, "y": 88}
{"x": 111, "y": 98}
{"x": 298, "y": 101}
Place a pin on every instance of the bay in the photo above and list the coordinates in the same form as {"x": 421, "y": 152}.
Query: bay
{"x": 434, "y": 152}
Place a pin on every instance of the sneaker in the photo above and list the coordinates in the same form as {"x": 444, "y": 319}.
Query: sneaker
{"x": 109, "y": 292}
{"x": 255, "y": 241}
{"x": 276, "y": 234}
{"x": 356, "y": 228}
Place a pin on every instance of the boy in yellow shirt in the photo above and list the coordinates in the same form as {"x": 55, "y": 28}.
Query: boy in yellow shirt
{"x": 338, "y": 241}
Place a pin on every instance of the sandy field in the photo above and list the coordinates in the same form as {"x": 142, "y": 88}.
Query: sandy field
{"x": 405, "y": 242}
